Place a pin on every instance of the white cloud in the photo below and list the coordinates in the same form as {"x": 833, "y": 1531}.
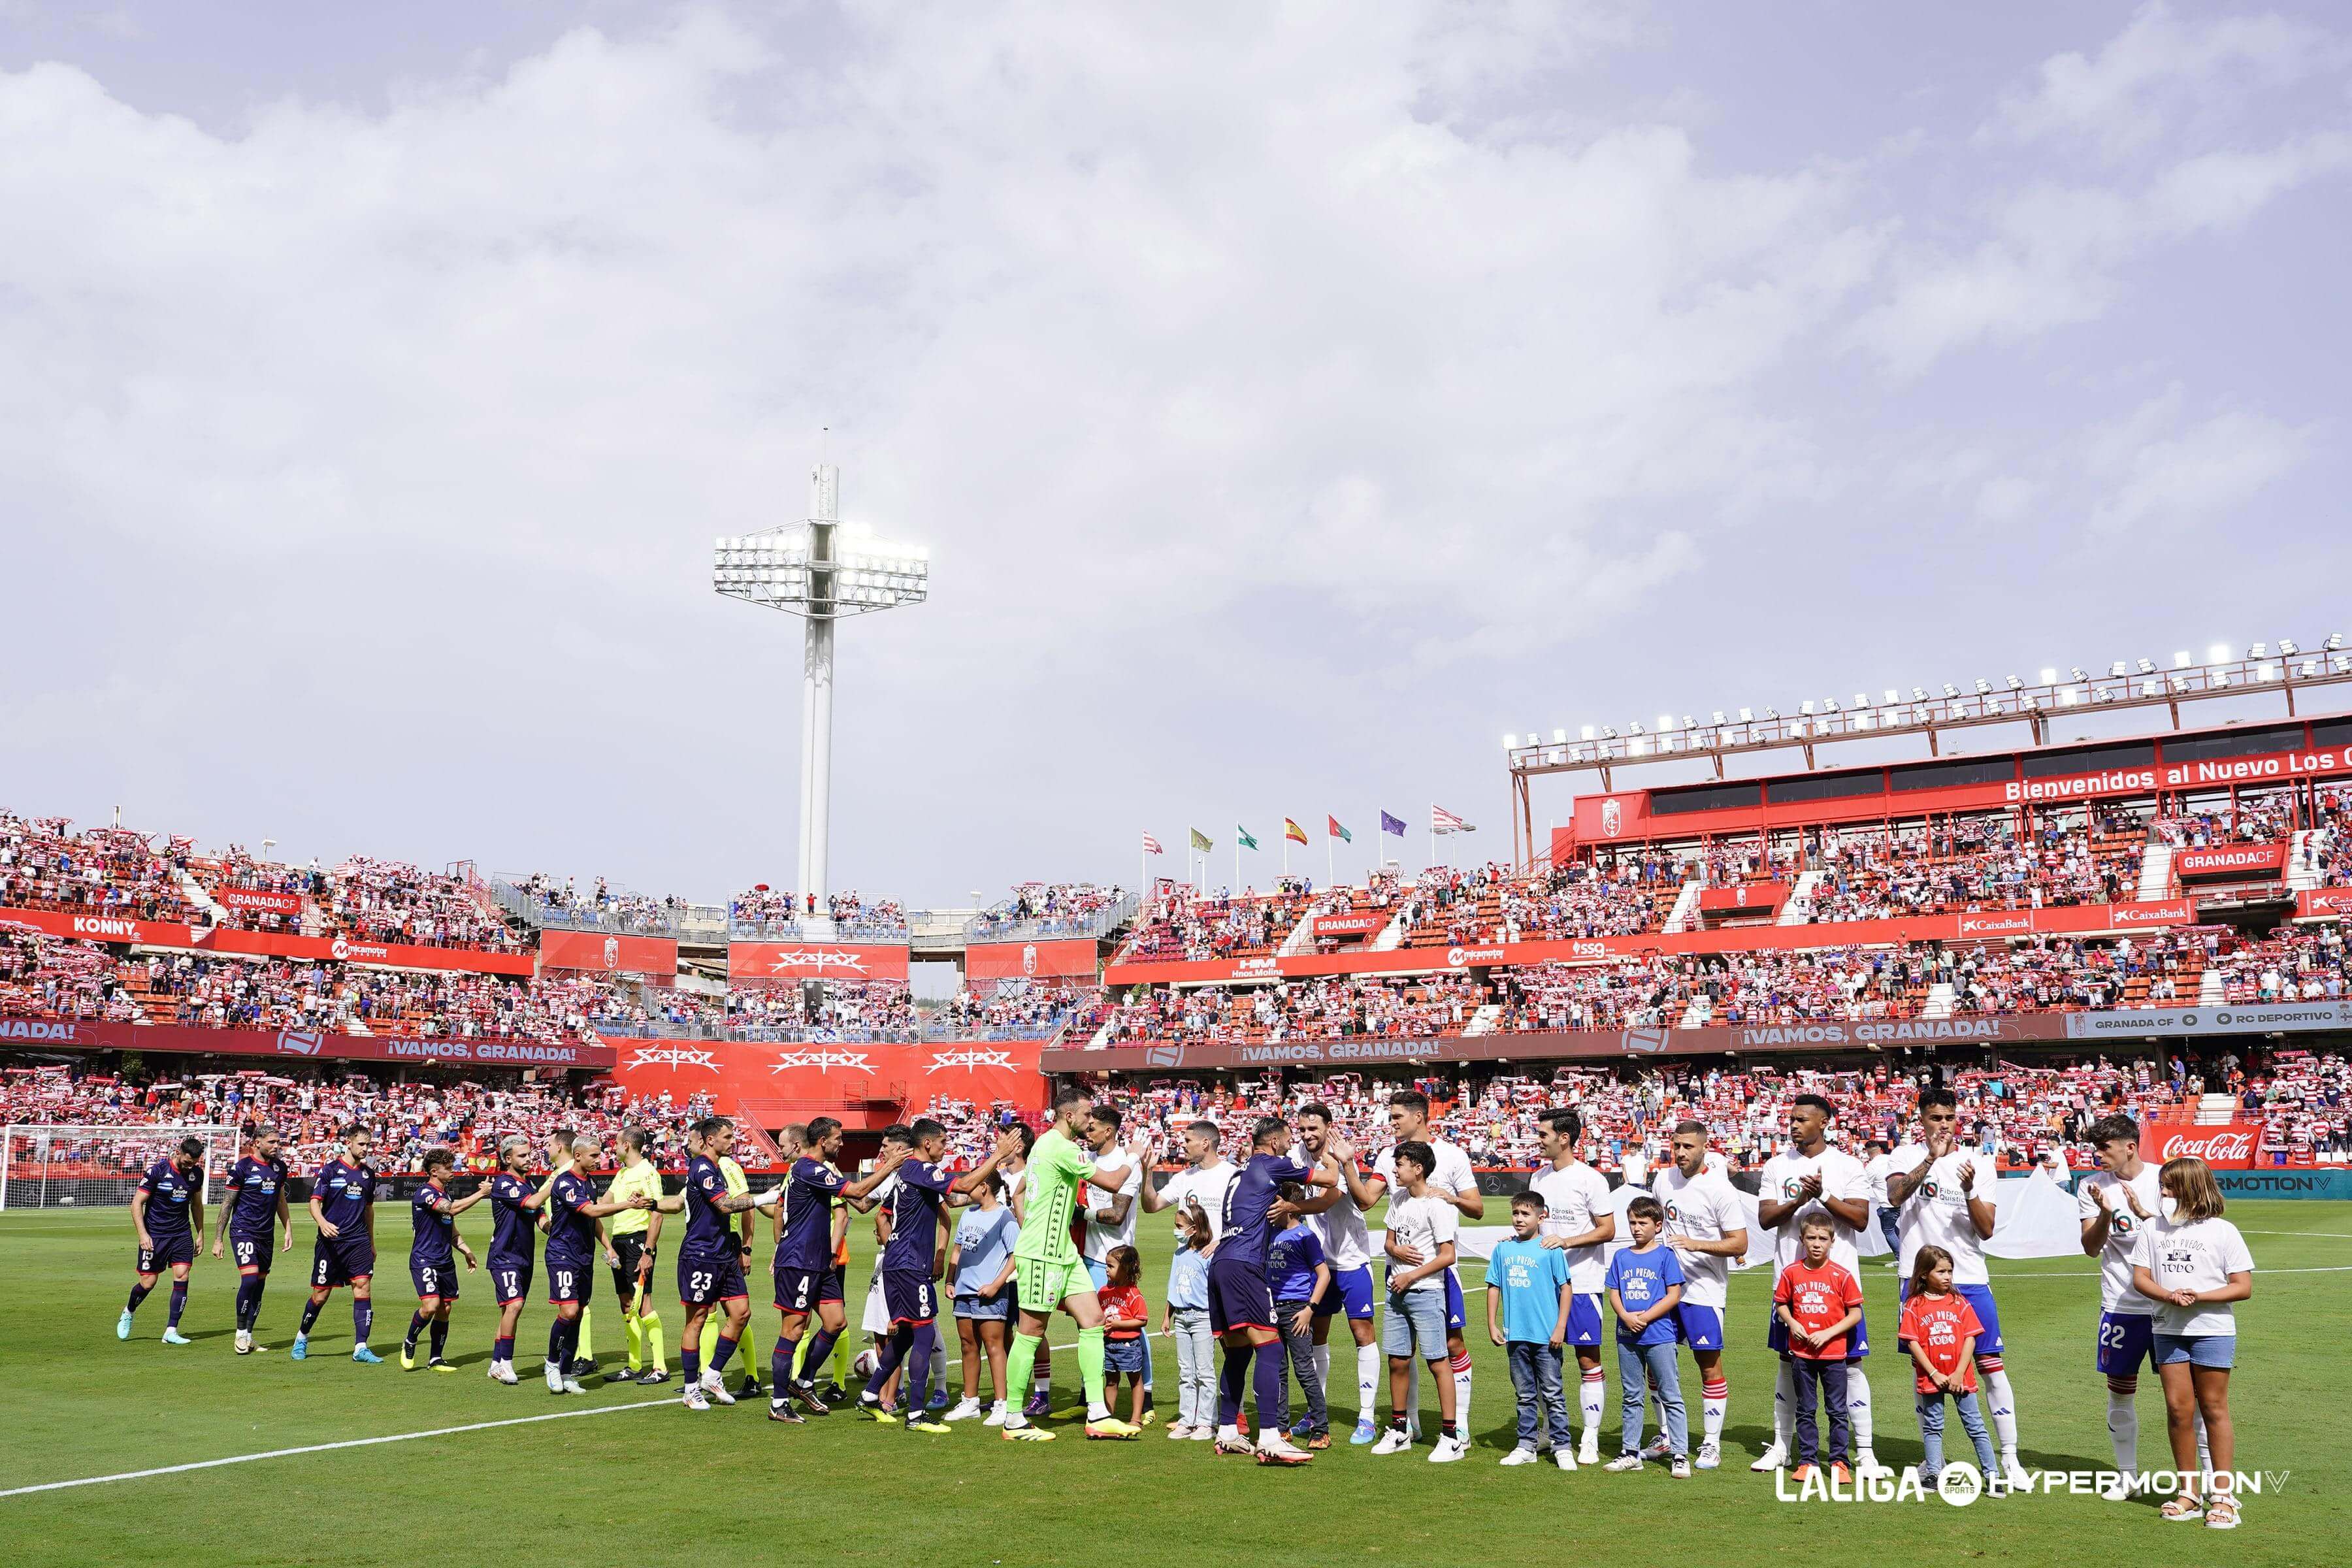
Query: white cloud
{"x": 2157, "y": 67}
{"x": 2155, "y": 470}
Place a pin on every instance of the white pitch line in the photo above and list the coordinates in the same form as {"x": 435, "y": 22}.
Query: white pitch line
{"x": 329, "y": 1447}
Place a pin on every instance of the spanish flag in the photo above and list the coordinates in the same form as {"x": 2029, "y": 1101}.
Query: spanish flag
{"x": 1292, "y": 831}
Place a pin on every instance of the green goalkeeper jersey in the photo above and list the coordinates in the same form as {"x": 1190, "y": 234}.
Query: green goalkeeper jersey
{"x": 1057, "y": 1169}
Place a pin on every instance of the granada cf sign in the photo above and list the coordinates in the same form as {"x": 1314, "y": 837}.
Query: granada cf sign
{"x": 1070, "y": 960}
{"x": 851, "y": 962}
{"x": 603, "y": 952}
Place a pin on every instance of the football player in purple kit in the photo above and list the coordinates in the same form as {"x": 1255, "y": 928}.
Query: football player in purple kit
{"x": 910, "y": 1265}
{"x": 342, "y": 1207}
{"x": 711, "y": 1266}
{"x": 573, "y": 1240}
{"x": 1240, "y": 1300}
{"x": 514, "y": 1210}
{"x": 803, "y": 1273}
{"x": 431, "y": 1268}
{"x": 255, "y": 1206}
{"x": 167, "y": 1211}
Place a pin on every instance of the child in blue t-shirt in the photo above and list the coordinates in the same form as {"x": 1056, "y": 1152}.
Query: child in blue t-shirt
{"x": 1645, "y": 1284}
{"x": 1185, "y": 1319}
{"x": 1527, "y": 1310}
{"x": 1299, "y": 1273}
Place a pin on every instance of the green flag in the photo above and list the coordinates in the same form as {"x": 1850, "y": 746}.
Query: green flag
{"x": 1202, "y": 841}
{"x": 1338, "y": 832}
{"x": 1243, "y": 835}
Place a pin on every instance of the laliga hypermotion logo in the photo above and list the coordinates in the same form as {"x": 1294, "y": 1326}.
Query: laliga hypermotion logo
{"x": 817, "y": 958}
{"x": 824, "y": 1061}
{"x": 672, "y": 1056}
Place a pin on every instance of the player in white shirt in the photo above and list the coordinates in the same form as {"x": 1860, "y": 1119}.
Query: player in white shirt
{"x": 1578, "y": 1220}
{"x": 1708, "y": 1228}
{"x": 1943, "y": 1195}
{"x": 1336, "y": 1219}
{"x": 2115, "y": 1203}
{"x": 1808, "y": 1178}
{"x": 1203, "y": 1183}
{"x": 1876, "y": 1167}
{"x": 1456, "y": 1181}
{"x": 2193, "y": 1264}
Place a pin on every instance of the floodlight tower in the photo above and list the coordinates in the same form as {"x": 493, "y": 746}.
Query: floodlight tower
{"x": 822, "y": 573}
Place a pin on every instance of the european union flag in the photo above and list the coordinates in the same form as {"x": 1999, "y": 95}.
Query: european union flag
{"x": 1392, "y": 824}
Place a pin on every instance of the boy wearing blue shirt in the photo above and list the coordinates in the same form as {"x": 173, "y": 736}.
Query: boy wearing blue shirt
{"x": 1528, "y": 1303}
{"x": 1300, "y": 1273}
{"x": 1645, "y": 1285}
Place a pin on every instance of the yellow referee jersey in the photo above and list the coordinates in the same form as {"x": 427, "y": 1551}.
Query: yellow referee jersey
{"x": 641, "y": 1179}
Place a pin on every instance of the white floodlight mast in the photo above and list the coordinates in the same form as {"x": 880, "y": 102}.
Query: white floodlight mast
{"x": 817, "y": 687}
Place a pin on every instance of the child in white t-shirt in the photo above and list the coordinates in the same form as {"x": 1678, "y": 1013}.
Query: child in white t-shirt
{"x": 2193, "y": 1264}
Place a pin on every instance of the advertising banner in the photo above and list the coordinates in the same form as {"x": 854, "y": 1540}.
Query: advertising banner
{"x": 266, "y": 943}
{"x": 2233, "y": 860}
{"x": 1071, "y": 959}
{"x": 2229, "y": 1147}
{"x": 1758, "y": 896}
{"x": 815, "y": 960}
{"x": 772, "y": 1084}
{"x": 311, "y": 1044}
{"x": 1370, "y": 924}
{"x": 2321, "y": 903}
{"x": 259, "y": 901}
{"x": 603, "y": 952}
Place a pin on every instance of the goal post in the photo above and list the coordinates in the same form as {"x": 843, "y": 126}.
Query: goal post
{"x": 56, "y": 1167}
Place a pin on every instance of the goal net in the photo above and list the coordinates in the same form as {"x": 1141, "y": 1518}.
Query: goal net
{"x": 98, "y": 1167}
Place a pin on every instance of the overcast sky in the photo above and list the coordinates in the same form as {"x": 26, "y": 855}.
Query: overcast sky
{"x": 1295, "y": 400}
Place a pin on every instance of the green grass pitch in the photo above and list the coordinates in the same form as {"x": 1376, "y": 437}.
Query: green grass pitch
{"x": 659, "y": 1485}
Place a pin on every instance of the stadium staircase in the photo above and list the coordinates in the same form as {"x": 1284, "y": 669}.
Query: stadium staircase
{"x": 2304, "y": 871}
{"x": 1482, "y": 1021}
{"x": 198, "y": 899}
{"x": 1799, "y": 910}
{"x": 2156, "y": 872}
{"x": 1684, "y": 914}
{"x": 1941, "y": 1000}
{"x": 1392, "y": 935}
{"x": 1698, "y": 1014}
{"x": 2213, "y": 989}
{"x": 2216, "y": 1110}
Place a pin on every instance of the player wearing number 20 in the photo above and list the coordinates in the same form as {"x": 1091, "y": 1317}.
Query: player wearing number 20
{"x": 255, "y": 1206}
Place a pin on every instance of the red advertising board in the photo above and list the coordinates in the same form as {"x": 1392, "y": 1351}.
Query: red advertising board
{"x": 265, "y": 943}
{"x": 260, "y": 901}
{"x": 1991, "y": 925}
{"x": 305, "y": 1044}
{"x": 846, "y": 961}
{"x": 2320, "y": 903}
{"x": 1370, "y": 925}
{"x": 1070, "y": 959}
{"x": 791, "y": 1082}
{"x": 2232, "y": 860}
{"x": 1758, "y": 896}
{"x": 603, "y": 952}
{"x": 2228, "y": 1147}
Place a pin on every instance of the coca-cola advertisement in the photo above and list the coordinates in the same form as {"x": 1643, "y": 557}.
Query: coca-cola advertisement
{"x": 2228, "y": 1147}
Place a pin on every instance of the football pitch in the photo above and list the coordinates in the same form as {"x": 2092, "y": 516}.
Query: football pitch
{"x": 365, "y": 1465}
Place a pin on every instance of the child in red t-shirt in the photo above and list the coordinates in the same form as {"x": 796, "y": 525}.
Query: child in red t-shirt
{"x": 1818, "y": 1302}
{"x": 1126, "y": 1314}
{"x": 1942, "y": 1331}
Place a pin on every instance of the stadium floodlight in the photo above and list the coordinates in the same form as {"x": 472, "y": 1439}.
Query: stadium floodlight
{"x": 2116, "y": 668}
{"x": 2181, "y": 660}
{"x": 1559, "y": 737}
{"x": 1665, "y": 722}
{"x": 1983, "y": 685}
{"x": 1608, "y": 732}
{"x": 2016, "y": 685}
{"x": 2050, "y": 675}
{"x": 1918, "y": 694}
{"x": 2334, "y": 641}
{"x": 1893, "y": 697}
{"x": 812, "y": 570}
{"x": 2286, "y": 647}
{"x": 1950, "y": 690}
{"x": 1510, "y": 743}
{"x": 2147, "y": 666}
{"x": 1633, "y": 726}
{"x": 1718, "y": 718}
{"x": 2076, "y": 672}
{"x": 2218, "y": 654}
{"x": 2259, "y": 651}
{"x": 1806, "y": 708}
{"x": 1747, "y": 715}
{"x": 2266, "y": 670}
{"x": 1770, "y": 714}
{"x": 1585, "y": 733}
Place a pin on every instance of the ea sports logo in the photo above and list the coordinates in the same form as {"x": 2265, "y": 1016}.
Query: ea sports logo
{"x": 1958, "y": 1484}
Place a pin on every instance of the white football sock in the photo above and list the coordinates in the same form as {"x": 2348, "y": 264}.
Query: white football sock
{"x": 1784, "y": 1407}
{"x": 2123, "y": 1430}
{"x": 1715, "y": 1398}
{"x": 1412, "y": 1398}
{"x": 1858, "y": 1407}
{"x": 2003, "y": 1412}
{"x": 1592, "y": 1393}
{"x": 1323, "y": 1367}
{"x": 1367, "y": 1375}
{"x": 1462, "y": 1393}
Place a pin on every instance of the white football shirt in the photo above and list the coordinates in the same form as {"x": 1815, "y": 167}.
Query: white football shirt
{"x": 1705, "y": 1208}
{"x": 1842, "y": 1177}
{"x": 1937, "y": 1213}
{"x": 1575, "y": 1197}
{"x": 2116, "y": 1292}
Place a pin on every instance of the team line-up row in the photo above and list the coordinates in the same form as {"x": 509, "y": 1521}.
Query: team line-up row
{"x": 1274, "y": 1250}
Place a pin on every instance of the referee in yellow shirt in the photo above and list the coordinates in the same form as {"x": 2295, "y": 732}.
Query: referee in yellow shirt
{"x": 635, "y": 1233}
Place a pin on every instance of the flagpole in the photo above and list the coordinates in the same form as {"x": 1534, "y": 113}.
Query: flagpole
{"x": 1237, "y": 859}
{"x": 1330, "y": 874}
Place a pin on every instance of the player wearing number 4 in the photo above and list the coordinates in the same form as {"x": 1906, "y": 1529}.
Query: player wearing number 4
{"x": 1942, "y": 1195}
{"x": 255, "y": 1206}
{"x": 430, "y": 1266}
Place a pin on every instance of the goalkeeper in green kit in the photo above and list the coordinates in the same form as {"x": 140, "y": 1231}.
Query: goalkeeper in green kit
{"x": 1047, "y": 1270}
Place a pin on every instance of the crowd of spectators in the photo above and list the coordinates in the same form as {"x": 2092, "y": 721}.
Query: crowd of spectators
{"x": 1046, "y": 910}
{"x": 100, "y": 870}
{"x": 602, "y": 906}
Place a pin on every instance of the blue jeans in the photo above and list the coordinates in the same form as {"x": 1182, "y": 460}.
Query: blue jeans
{"x": 1543, "y": 1407}
{"x": 1658, "y": 1363}
{"x": 1820, "y": 1383}
{"x": 1887, "y": 1227}
{"x": 1931, "y": 1434}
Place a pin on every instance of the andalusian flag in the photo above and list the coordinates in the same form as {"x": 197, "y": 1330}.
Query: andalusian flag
{"x": 1293, "y": 832}
{"x": 1337, "y": 831}
{"x": 1243, "y": 835}
{"x": 1202, "y": 841}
